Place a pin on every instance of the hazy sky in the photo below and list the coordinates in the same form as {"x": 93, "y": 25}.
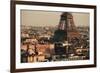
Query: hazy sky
{"x": 43, "y": 18}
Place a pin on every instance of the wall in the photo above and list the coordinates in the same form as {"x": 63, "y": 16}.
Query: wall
{"x": 5, "y": 36}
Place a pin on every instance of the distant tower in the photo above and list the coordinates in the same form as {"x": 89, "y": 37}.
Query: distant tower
{"x": 66, "y": 28}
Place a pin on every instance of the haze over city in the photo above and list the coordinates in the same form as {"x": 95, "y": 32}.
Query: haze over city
{"x": 44, "y": 18}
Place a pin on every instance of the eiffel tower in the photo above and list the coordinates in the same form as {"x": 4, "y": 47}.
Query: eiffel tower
{"x": 66, "y": 28}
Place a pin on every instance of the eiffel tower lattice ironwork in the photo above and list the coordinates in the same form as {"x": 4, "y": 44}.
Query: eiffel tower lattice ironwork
{"x": 66, "y": 28}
